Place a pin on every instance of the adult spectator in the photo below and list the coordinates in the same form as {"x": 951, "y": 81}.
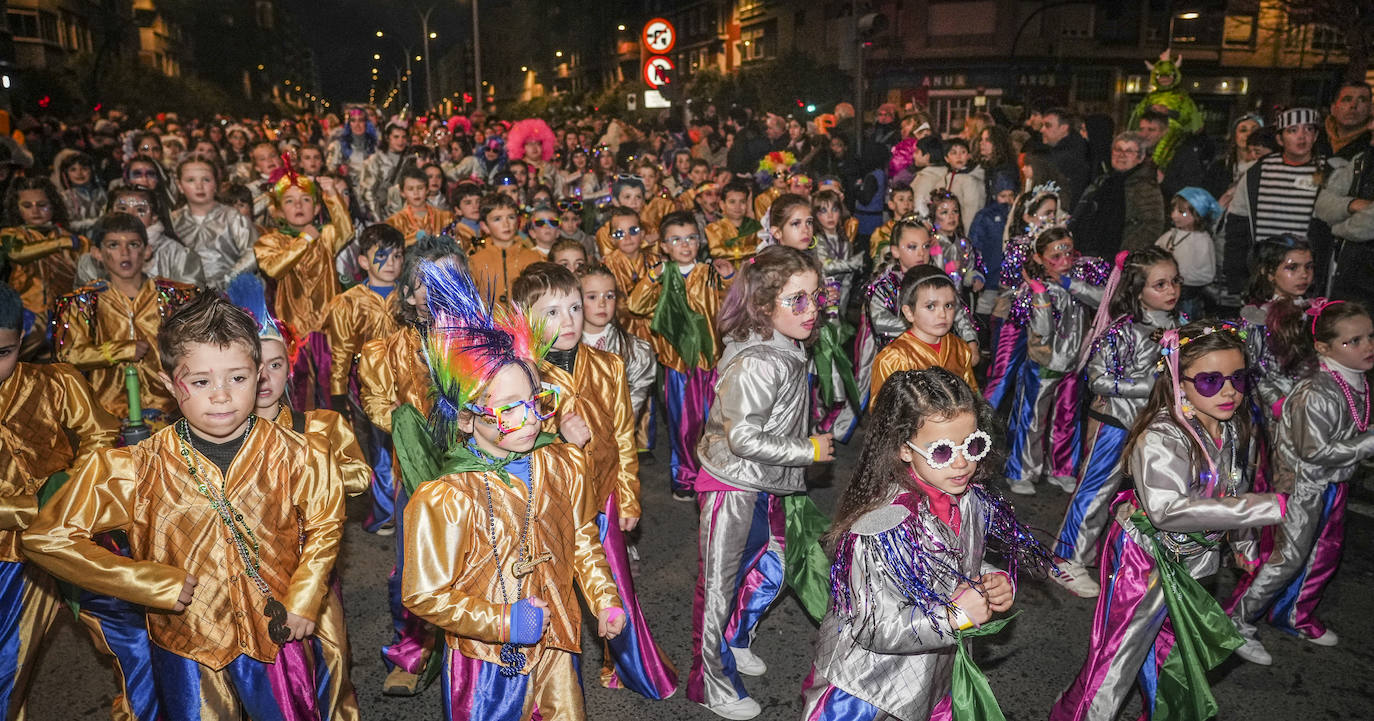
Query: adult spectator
{"x": 1188, "y": 166}
{"x": 1123, "y": 209}
{"x": 886, "y": 129}
{"x": 1066, "y": 151}
{"x": 1346, "y": 203}
{"x": 1226, "y": 168}
{"x": 775, "y": 129}
{"x": 748, "y": 146}
{"x": 1277, "y": 195}
{"x": 1346, "y": 132}
{"x": 997, "y": 157}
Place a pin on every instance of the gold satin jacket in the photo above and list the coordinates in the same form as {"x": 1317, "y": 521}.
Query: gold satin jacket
{"x": 284, "y": 486}
{"x": 909, "y": 353}
{"x": 494, "y": 268}
{"x": 434, "y": 221}
{"x": 98, "y": 327}
{"x": 450, "y": 575}
{"x": 723, "y": 241}
{"x": 627, "y": 272}
{"x": 304, "y": 270}
{"x": 764, "y": 200}
{"x": 599, "y": 391}
{"x": 353, "y": 318}
{"x": 705, "y": 289}
{"x": 42, "y": 264}
{"x": 391, "y": 373}
{"x": 39, "y": 405}
{"x": 655, "y": 209}
{"x": 338, "y": 439}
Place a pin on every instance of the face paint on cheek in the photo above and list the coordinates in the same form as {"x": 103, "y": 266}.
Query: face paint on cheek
{"x": 381, "y": 256}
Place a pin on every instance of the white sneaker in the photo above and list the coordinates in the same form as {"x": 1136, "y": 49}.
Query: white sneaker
{"x": 1068, "y": 483}
{"x": 747, "y": 663}
{"x": 1254, "y": 652}
{"x": 740, "y": 709}
{"x": 1329, "y": 638}
{"x": 1077, "y": 579}
{"x": 1022, "y": 487}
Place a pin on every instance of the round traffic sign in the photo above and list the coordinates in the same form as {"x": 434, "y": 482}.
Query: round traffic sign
{"x": 656, "y": 71}
{"x": 659, "y": 36}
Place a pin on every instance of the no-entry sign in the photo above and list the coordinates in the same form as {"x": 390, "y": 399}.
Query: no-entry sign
{"x": 656, "y": 70}
{"x": 659, "y": 36}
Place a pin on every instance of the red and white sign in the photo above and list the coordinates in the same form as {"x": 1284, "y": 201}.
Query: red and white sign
{"x": 656, "y": 70}
{"x": 659, "y": 36}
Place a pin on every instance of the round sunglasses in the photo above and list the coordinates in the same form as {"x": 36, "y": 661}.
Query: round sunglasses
{"x": 1210, "y": 383}
{"x": 940, "y": 454}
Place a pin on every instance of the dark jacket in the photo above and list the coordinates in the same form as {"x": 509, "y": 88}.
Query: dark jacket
{"x": 1070, "y": 158}
{"x": 1119, "y": 211}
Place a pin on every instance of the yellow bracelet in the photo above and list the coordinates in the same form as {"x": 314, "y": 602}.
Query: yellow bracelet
{"x": 815, "y": 448}
{"x": 106, "y": 354}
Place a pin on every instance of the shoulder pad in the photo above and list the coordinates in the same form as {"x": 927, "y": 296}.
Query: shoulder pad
{"x": 881, "y": 520}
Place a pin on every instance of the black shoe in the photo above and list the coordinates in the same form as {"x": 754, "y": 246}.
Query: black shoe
{"x": 681, "y": 494}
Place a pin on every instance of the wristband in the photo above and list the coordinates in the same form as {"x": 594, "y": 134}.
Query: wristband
{"x": 615, "y": 612}
{"x": 1065, "y": 282}
{"x": 105, "y": 353}
{"x": 1036, "y": 286}
{"x": 815, "y": 448}
{"x": 1283, "y": 504}
{"x": 961, "y": 620}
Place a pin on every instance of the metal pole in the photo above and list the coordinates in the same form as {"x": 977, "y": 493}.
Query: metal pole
{"x": 424, "y": 30}
{"x": 858, "y": 85}
{"x": 477, "y": 94}
{"x": 410, "y": 83}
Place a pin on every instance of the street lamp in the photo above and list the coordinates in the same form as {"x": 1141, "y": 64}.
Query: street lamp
{"x": 380, "y": 33}
{"x": 558, "y": 53}
{"x": 433, "y": 35}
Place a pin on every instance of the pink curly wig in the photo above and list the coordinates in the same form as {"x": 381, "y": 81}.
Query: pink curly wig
{"x": 902, "y": 153}
{"x": 527, "y": 130}
{"x": 458, "y": 122}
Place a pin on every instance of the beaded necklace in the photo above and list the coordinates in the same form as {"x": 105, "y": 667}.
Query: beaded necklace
{"x": 1360, "y": 425}
{"x": 245, "y": 541}
{"x": 512, "y": 660}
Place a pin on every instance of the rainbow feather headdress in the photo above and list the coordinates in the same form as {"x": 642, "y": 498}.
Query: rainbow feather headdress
{"x": 247, "y": 292}
{"x": 286, "y": 177}
{"x": 468, "y": 343}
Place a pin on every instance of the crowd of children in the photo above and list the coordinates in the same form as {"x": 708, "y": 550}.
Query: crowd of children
{"x": 491, "y": 362}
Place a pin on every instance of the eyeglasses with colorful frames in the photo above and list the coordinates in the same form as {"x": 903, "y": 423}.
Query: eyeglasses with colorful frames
{"x": 574, "y": 206}
{"x": 1210, "y": 383}
{"x": 619, "y": 233}
{"x": 543, "y": 223}
{"x": 940, "y": 454}
{"x": 801, "y": 302}
{"x": 512, "y": 417}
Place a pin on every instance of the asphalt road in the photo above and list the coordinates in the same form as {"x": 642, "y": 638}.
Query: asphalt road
{"x": 1028, "y": 663}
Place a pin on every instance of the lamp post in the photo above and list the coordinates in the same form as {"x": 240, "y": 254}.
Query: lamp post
{"x": 425, "y": 36}
{"x": 477, "y": 91}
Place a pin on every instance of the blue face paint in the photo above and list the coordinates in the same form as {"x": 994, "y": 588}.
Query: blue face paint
{"x": 380, "y": 258}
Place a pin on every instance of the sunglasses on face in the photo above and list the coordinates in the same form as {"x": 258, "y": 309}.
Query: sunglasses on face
{"x": 619, "y": 234}
{"x": 1211, "y": 383}
{"x": 677, "y": 240}
{"x": 940, "y": 454}
{"x": 574, "y": 206}
{"x": 800, "y": 302}
{"x": 512, "y": 417}
{"x": 543, "y": 223}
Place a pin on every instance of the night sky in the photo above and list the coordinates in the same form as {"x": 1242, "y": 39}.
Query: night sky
{"x": 344, "y": 38}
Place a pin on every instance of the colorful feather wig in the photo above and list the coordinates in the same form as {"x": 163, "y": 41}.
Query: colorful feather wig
{"x": 247, "y": 292}
{"x": 286, "y": 177}
{"x": 468, "y": 343}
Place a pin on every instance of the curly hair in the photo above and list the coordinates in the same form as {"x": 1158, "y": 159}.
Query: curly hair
{"x": 1126, "y": 300}
{"x": 906, "y": 401}
{"x": 59, "y": 209}
{"x": 748, "y": 307}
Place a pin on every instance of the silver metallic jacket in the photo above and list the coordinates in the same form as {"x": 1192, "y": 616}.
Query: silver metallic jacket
{"x": 892, "y": 654}
{"x": 373, "y": 184}
{"x": 640, "y": 364}
{"x": 756, "y": 433}
{"x": 1271, "y": 383}
{"x": 223, "y": 239}
{"x": 1121, "y": 371}
{"x": 1058, "y": 329}
{"x": 1170, "y": 488}
{"x": 1316, "y": 442}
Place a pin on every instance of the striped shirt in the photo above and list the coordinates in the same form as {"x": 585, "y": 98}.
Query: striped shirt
{"x": 1287, "y": 194}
